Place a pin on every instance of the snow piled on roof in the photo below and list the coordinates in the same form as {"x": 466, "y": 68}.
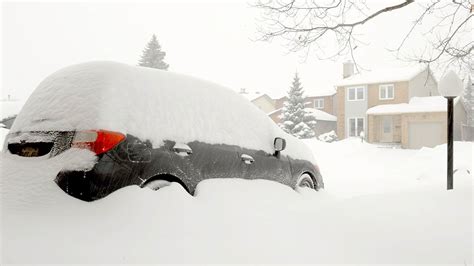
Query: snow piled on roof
{"x": 319, "y": 92}
{"x": 416, "y": 105}
{"x": 9, "y": 108}
{"x": 150, "y": 104}
{"x": 320, "y": 115}
{"x": 382, "y": 75}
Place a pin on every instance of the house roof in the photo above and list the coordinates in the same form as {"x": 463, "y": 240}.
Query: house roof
{"x": 416, "y": 105}
{"x": 318, "y": 114}
{"x": 321, "y": 115}
{"x": 382, "y": 75}
{"x": 275, "y": 111}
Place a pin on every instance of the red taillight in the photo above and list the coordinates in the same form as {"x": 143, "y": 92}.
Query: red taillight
{"x": 98, "y": 141}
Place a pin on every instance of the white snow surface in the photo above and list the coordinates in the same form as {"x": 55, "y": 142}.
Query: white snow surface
{"x": 380, "y": 206}
{"x": 9, "y": 108}
{"x": 150, "y": 104}
{"x": 320, "y": 115}
{"x": 416, "y": 105}
{"x": 382, "y": 75}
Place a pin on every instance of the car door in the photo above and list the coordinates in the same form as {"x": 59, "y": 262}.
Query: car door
{"x": 258, "y": 164}
{"x": 215, "y": 160}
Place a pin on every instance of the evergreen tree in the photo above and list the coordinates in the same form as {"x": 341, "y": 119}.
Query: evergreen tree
{"x": 468, "y": 100}
{"x": 295, "y": 120}
{"x": 153, "y": 56}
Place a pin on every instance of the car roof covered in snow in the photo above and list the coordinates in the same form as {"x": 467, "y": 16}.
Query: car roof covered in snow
{"x": 382, "y": 76}
{"x": 151, "y": 104}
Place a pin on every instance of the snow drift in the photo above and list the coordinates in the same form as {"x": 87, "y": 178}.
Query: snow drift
{"x": 250, "y": 221}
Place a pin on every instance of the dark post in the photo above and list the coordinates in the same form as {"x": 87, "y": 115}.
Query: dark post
{"x": 450, "y": 142}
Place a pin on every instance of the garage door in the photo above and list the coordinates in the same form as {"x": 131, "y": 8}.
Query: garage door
{"x": 425, "y": 134}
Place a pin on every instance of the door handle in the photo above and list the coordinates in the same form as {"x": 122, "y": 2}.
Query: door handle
{"x": 247, "y": 159}
{"x": 182, "y": 149}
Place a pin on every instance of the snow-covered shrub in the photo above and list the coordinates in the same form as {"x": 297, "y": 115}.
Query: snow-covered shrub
{"x": 328, "y": 137}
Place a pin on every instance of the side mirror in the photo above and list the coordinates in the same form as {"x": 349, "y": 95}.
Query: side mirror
{"x": 279, "y": 144}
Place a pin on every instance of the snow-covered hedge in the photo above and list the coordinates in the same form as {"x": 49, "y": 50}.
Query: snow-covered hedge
{"x": 328, "y": 137}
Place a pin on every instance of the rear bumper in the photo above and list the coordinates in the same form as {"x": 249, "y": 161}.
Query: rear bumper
{"x": 104, "y": 178}
{"x": 78, "y": 184}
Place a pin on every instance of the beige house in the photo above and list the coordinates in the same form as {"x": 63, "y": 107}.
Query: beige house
{"x": 419, "y": 123}
{"x": 357, "y": 93}
{"x": 261, "y": 100}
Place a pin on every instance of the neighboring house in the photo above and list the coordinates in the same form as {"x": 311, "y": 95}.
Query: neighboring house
{"x": 356, "y": 93}
{"x": 261, "y": 100}
{"x": 321, "y": 100}
{"x": 324, "y": 122}
{"x": 321, "y": 105}
{"x": 324, "y": 103}
{"x": 420, "y": 123}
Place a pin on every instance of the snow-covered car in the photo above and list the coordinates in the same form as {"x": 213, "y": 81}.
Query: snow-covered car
{"x": 149, "y": 128}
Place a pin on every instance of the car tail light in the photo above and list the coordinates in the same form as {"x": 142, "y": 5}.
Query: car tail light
{"x": 98, "y": 141}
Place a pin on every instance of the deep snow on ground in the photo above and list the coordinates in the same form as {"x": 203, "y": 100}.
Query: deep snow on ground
{"x": 379, "y": 206}
{"x": 351, "y": 167}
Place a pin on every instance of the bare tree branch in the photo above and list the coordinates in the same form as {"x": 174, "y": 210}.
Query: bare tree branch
{"x": 306, "y": 24}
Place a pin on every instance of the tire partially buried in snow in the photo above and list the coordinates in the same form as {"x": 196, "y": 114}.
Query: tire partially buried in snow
{"x": 146, "y": 124}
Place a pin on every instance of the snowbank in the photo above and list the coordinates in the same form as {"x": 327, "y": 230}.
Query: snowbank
{"x": 353, "y": 168}
{"x": 380, "y": 206}
{"x": 150, "y": 104}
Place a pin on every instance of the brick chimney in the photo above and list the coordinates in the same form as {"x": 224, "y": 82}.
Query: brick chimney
{"x": 347, "y": 69}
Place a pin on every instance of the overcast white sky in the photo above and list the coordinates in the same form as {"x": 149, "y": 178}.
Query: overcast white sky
{"x": 211, "y": 40}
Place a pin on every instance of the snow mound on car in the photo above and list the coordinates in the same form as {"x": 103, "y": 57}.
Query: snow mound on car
{"x": 150, "y": 104}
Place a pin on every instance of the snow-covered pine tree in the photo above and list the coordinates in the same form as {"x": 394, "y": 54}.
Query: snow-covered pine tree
{"x": 295, "y": 120}
{"x": 153, "y": 56}
{"x": 468, "y": 100}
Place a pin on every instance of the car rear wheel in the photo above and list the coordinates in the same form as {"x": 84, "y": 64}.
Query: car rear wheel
{"x": 305, "y": 180}
{"x": 157, "y": 184}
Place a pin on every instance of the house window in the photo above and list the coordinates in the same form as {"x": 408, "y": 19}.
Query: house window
{"x": 386, "y": 92}
{"x": 355, "y": 93}
{"x": 356, "y": 126}
{"x": 319, "y": 103}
